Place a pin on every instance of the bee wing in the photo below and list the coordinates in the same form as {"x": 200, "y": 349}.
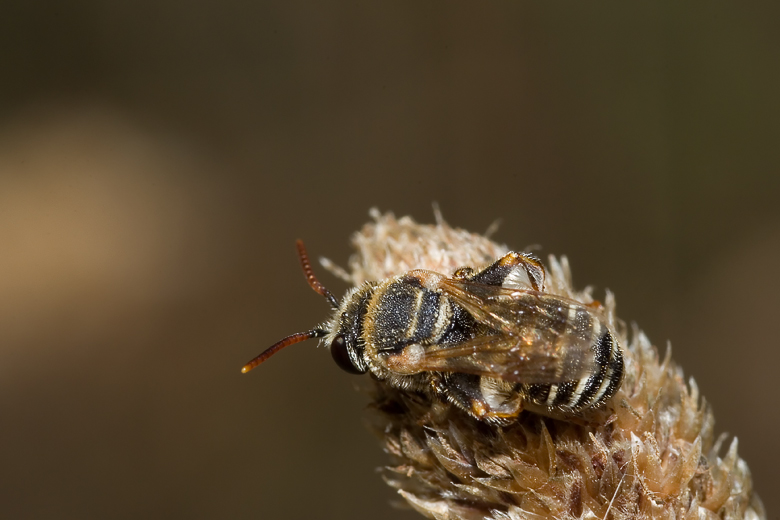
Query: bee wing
{"x": 515, "y": 311}
{"x": 538, "y": 338}
{"x": 510, "y": 358}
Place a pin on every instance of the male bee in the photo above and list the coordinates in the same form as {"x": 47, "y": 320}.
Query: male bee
{"x": 490, "y": 341}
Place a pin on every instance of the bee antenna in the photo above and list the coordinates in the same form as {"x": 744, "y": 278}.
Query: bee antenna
{"x": 313, "y": 282}
{"x": 279, "y": 345}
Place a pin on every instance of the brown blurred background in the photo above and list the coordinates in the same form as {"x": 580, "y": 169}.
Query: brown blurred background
{"x": 158, "y": 160}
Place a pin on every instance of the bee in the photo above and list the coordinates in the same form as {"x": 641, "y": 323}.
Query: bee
{"x": 490, "y": 341}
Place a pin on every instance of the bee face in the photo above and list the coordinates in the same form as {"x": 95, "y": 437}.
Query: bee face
{"x": 490, "y": 341}
{"x": 345, "y": 330}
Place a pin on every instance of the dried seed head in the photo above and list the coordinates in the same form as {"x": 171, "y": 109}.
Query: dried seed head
{"x": 650, "y": 453}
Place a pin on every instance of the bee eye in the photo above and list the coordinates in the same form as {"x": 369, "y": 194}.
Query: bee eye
{"x": 340, "y": 353}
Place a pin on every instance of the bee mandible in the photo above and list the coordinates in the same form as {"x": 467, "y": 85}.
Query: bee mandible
{"x": 490, "y": 341}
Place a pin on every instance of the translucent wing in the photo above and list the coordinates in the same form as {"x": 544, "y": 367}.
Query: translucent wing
{"x": 503, "y": 358}
{"x": 513, "y": 311}
{"x": 534, "y": 337}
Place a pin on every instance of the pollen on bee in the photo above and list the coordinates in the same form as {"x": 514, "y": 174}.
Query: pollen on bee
{"x": 407, "y": 362}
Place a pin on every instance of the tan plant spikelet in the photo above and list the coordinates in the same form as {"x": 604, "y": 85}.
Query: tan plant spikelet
{"x": 649, "y": 453}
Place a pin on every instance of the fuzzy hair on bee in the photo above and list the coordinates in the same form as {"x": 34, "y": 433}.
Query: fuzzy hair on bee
{"x": 491, "y": 341}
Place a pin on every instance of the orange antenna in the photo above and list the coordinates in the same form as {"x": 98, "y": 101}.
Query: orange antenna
{"x": 286, "y": 342}
{"x": 301, "y": 336}
{"x": 313, "y": 282}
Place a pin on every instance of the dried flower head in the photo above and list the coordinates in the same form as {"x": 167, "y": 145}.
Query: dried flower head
{"x": 650, "y": 453}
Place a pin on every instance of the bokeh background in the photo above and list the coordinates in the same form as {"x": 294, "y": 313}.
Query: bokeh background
{"x": 158, "y": 160}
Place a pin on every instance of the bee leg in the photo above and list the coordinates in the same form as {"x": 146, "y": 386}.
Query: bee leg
{"x": 464, "y": 273}
{"x": 502, "y": 416}
{"x": 513, "y": 270}
{"x": 484, "y": 398}
{"x": 504, "y": 399}
{"x": 462, "y": 390}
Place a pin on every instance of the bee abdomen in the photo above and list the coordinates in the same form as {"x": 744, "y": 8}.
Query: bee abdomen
{"x": 574, "y": 396}
{"x": 608, "y": 379}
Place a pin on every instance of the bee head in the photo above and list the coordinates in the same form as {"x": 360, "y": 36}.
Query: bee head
{"x": 345, "y": 330}
{"x": 347, "y": 356}
{"x": 342, "y": 333}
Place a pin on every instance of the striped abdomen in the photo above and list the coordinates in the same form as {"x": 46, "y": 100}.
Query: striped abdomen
{"x": 603, "y": 382}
